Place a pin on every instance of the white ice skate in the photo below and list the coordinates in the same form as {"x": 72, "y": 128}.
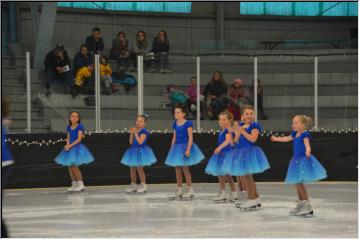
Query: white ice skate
{"x": 142, "y": 189}
{"x": 305, "y": 209}
{"x": 258, "y": 202}
{"x": 234, "y": 196}
{"x": 79, "y": 186}
{"x": 242, "y": 199}
{"x": 177, "y": 195}
{"x": 221, "y": 197}
{"x": 131, "y": 189}
{"x": 73, "y": 184}
{"x": 189, "y": 194}
{"x": 250, "y": 204}
{"x": 296, "y": 209}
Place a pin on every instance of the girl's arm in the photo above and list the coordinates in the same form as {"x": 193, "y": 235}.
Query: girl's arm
{"x": 131, "y": 140}
{"x": 252, "y": 137}
{"x": 140, "y": 139}
{"x": 281, "y": 139}
{"x": 307, "y": 147}
{"x": 237, "y": 132}
{"x": 227, "y": 141}
{"x": 78, "y": 140}
{"x": 68, "y": 139}
{"x": 190, "y": 142}
{"x": 173, "y": 139}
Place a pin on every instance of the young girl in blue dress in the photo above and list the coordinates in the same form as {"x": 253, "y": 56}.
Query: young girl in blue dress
{"x": 183, "y": 152}
{"x": 138, "y": 155}
{"x": 75, "y": 153}
{"x": 223, "y": 154}
{"x": 303, "y": 167}
{"x": 250, "y": 159}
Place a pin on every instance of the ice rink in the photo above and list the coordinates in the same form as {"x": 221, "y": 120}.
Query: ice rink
{"x": 108, "y": 212}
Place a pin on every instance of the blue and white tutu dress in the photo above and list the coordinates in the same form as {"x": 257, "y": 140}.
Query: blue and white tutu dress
{"x": 139, "y": 155}
{"x": 176, "y": 156}
{"x": 302, "y": 169}
{"x": 249, "y": 158}
{"x": 78, "y": 154}
{"x": 6, "y": 157}
{"x": 220, "y": 163}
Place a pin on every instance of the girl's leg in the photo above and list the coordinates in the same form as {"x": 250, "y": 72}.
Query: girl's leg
{"x": 178, "y": 176}
{"x": 78, "y": 175}
{"x": 141, "y": 173}
{"x": 303, "y": 191}
{"x": 133, "y": 175}
{"x": 250, "y": 187}
{"x": 71, "y": 173}
{"x": 231, "y": 182}
{"x": 298, "y": 192}
{"x": 239, "y": 183}
{"x": 187, "y": 174}
{"x": 222, "y": 182}
{"x": 254, "y": 186}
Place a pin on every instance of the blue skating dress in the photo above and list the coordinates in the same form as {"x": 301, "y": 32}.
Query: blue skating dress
{"x": 6, "y": 157}
{"x": 218, "y": 163}
{"x": 249, "y": 159}
{"x": 78, "y": 154}
{"x": 139, "y": 154}
{"x": 176, "y": 156}
{"x": 302, "y": 169}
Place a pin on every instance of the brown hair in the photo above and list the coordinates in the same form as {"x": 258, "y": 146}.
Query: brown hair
{"x": 306, "y": 120}
{"x": 181, "y": 107}
{"x": 70, "y": 116}
{"x": 228, "y": 115}
{"x": 144, "y": 116}
{"x": 245, "y": 107}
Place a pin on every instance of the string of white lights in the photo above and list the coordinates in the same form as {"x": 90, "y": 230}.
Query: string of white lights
{"x": 166, "y": 131}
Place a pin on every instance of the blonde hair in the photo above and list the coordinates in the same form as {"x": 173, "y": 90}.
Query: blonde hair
{"x": 245, "y": 107}
{"x": 306, "y": 120}
{"x": 228, "y": 115}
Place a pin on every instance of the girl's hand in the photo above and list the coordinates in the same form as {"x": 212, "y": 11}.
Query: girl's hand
{"x": 217, "y": 150}
{"x": 187, "y": 153}
{"x": 67, "y": 147}
{"x": 307, "y": 153}
{"x": 241, "y": 129}
{"x": 132, "y": 130}
{"x": 236, "y": 126}
{"x": 273, "y": 138}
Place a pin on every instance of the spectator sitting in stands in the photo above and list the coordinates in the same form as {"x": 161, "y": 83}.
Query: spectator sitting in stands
{"x": 215, "y": 95}
{"x": 83, "y": 66}
{"x": 160, "y": 48}
{"x": 260, "y": 92}
{"x": 57, "y": 68}
{"x": 141, "y": 47}
{"x": 120, "y": 51}
{"x": 105, "y": 75}
{"x": 238, "y": 98}
{"x": 176, "y": 96}
{"x": 191, "y": 92}
{"x": 94, "y": 42}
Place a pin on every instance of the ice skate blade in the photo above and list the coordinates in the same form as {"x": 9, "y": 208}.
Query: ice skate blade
{"x": 77, "y": 191}
{"x": 174, "y": 198}
{"x": 248, "y": 208}
{"x": 131, "y": 193}
{"x": 187, "y": 198}
{"x": 219, "y": 201}
{"x": 307, "y": 215}
{"x": 140, "y": 193}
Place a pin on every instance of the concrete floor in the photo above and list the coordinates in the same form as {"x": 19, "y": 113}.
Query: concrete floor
{"x": 108, "y": 212}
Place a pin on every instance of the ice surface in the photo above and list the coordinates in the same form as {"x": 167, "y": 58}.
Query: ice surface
{"x": 108, "y": 212}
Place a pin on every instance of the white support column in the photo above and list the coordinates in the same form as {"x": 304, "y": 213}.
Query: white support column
{"x": 255, "y": 88}
{"x": 97, "y": 93}
{"x": 140, "y": 85}
{"x": 316, "y": 109}
{"x": 28, "y": 92}
{"x": 198, "y": 107}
